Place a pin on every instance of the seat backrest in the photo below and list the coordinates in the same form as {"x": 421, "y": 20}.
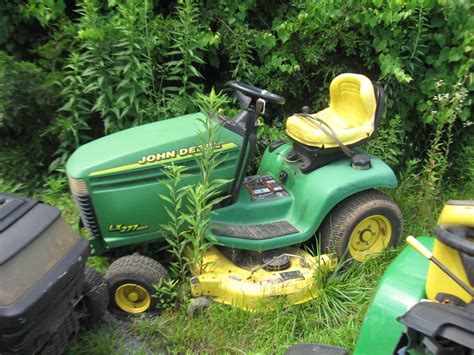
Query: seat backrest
{"x": 459, "y": 212}
{"x": 352, "y": 96}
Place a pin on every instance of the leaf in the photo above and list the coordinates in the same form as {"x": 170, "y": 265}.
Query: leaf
{"x": 283, "y": 33}
{"x": 204, "y": 39}
{"x": 265, "y": 42}
{"x": 455, "y": 54}
{"x": 465, "y": 114}
{"x": 194, "y": 71}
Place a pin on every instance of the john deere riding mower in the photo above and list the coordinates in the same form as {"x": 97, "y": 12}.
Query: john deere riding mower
{"x": 424, "y": 302}
{"x": 319, "y": 184}
{"x": 46, "y": 292}
{"x": 431, "y": 294}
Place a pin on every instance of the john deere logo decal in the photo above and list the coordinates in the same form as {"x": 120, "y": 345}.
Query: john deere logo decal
{"x": 165, "y": 157}
{"x": 172, "y": 154}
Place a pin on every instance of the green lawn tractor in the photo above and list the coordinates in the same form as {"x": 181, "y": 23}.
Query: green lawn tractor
{"x": 425, "y": 301}
{"x": 320, "y": 183}
{"x": 46, "y": 291}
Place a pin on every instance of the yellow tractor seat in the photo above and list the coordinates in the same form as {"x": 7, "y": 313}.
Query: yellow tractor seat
{"x": 353, "y": 114}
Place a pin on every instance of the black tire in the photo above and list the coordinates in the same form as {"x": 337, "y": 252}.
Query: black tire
{"x": 342, "y": 221}
{"x": 96, "y": 296}
{"x": 133, "y": 273}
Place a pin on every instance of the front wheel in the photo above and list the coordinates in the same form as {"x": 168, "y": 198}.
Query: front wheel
{"x": 130, "y": 280}
{"x": 362, "y": 226}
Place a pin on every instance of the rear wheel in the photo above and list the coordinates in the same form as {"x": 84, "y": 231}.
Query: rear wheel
{"x": 362, "y": 226}
{"x": 131, "y": 279}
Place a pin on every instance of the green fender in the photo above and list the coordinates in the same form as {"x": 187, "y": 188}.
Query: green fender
{"x": 401, "y": 287}
{"x": 311, "y": 197}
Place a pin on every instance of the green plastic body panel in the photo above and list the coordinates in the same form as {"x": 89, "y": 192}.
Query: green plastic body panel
{"x": 401, "y": 287}
{"x": 311, "y": 197}
{"x": 124, "y": 176}
{"x": 125, "y": 194}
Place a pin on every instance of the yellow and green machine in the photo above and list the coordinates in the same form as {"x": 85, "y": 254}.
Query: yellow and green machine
{"x": 316, "y": 187}
{"x": 424, "y": 302}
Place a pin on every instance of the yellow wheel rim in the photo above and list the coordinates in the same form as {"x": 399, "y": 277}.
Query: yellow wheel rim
{"x": 132, "y": 298}
{"x": 369, "y": 237}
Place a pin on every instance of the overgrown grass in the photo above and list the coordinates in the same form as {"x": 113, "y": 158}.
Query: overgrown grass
{"x": 98, "y": 341}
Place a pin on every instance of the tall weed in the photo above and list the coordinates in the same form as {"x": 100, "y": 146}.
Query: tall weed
{"x": 423, "y": 187}
{"x": 129, "y": 67}
{"x": 189, "y": 208}
{"x": 184, "y": 56}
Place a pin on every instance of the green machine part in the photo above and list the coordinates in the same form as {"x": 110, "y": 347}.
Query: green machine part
{"x": 401, "y": 287}
{"x": 310, "y": 197}
{"x": 117, "y": 180}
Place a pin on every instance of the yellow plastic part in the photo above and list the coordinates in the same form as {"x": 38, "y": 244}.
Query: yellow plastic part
{"x": 437, "y": 281}
{"x": 462, "y": 215}
{"x": 254, "y": 288}
{"x": 420, "y": 248}
{"x": 351, "y": 114}
{"x": 132, "y": 298}
{"x": 370, "y": 237}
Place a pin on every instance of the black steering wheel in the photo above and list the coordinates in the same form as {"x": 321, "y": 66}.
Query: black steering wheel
{"x": 257, "y": 93}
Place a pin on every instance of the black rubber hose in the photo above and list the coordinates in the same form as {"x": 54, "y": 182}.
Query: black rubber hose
{"x": 455, "y": 240}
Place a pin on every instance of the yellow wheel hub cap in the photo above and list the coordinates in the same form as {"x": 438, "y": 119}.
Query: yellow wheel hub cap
{"x": 132, "y": 298}
{"x": 369, "y": 237}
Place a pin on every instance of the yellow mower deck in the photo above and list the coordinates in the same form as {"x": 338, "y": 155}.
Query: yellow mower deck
{"x": 253, "y": 287}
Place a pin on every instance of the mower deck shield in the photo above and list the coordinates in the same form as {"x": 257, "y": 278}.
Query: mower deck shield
{"x": 252, "y": 288}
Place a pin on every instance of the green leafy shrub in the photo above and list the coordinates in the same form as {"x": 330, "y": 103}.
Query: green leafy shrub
{"x": 130, "y": 66}
{"x": 130, "y": 62}
{"x": 19, "y": 31}
{"x": 187, "y": 40}
{"x": 28, "y": 97}
{"x": 44, "y": 11}
{"x": 169, "y": 294}
{"x": 109, "y": 76}
{"x": 28, "y": 101}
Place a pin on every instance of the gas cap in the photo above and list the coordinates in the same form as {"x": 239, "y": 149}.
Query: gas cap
{"x": 283, "y": 176}
{"x": 361, "y": 162}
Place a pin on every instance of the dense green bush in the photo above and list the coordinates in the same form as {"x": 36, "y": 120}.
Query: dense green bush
{"x": 128, "y": 62}
{"x": 28, "y": 104}
{"x": 28, "y": 96}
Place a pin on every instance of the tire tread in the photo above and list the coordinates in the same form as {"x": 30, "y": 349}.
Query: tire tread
{"x": 335, "y": 225}
{"x": 139, "y": 268}
{"x": 96, "y": 296}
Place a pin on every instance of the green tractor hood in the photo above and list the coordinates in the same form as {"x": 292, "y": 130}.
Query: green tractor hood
{"x": 117, "y": 180}
{"x": 123, "y": 151}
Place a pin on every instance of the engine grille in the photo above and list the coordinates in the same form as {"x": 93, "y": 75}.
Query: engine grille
{"x": 87, "y": 214}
